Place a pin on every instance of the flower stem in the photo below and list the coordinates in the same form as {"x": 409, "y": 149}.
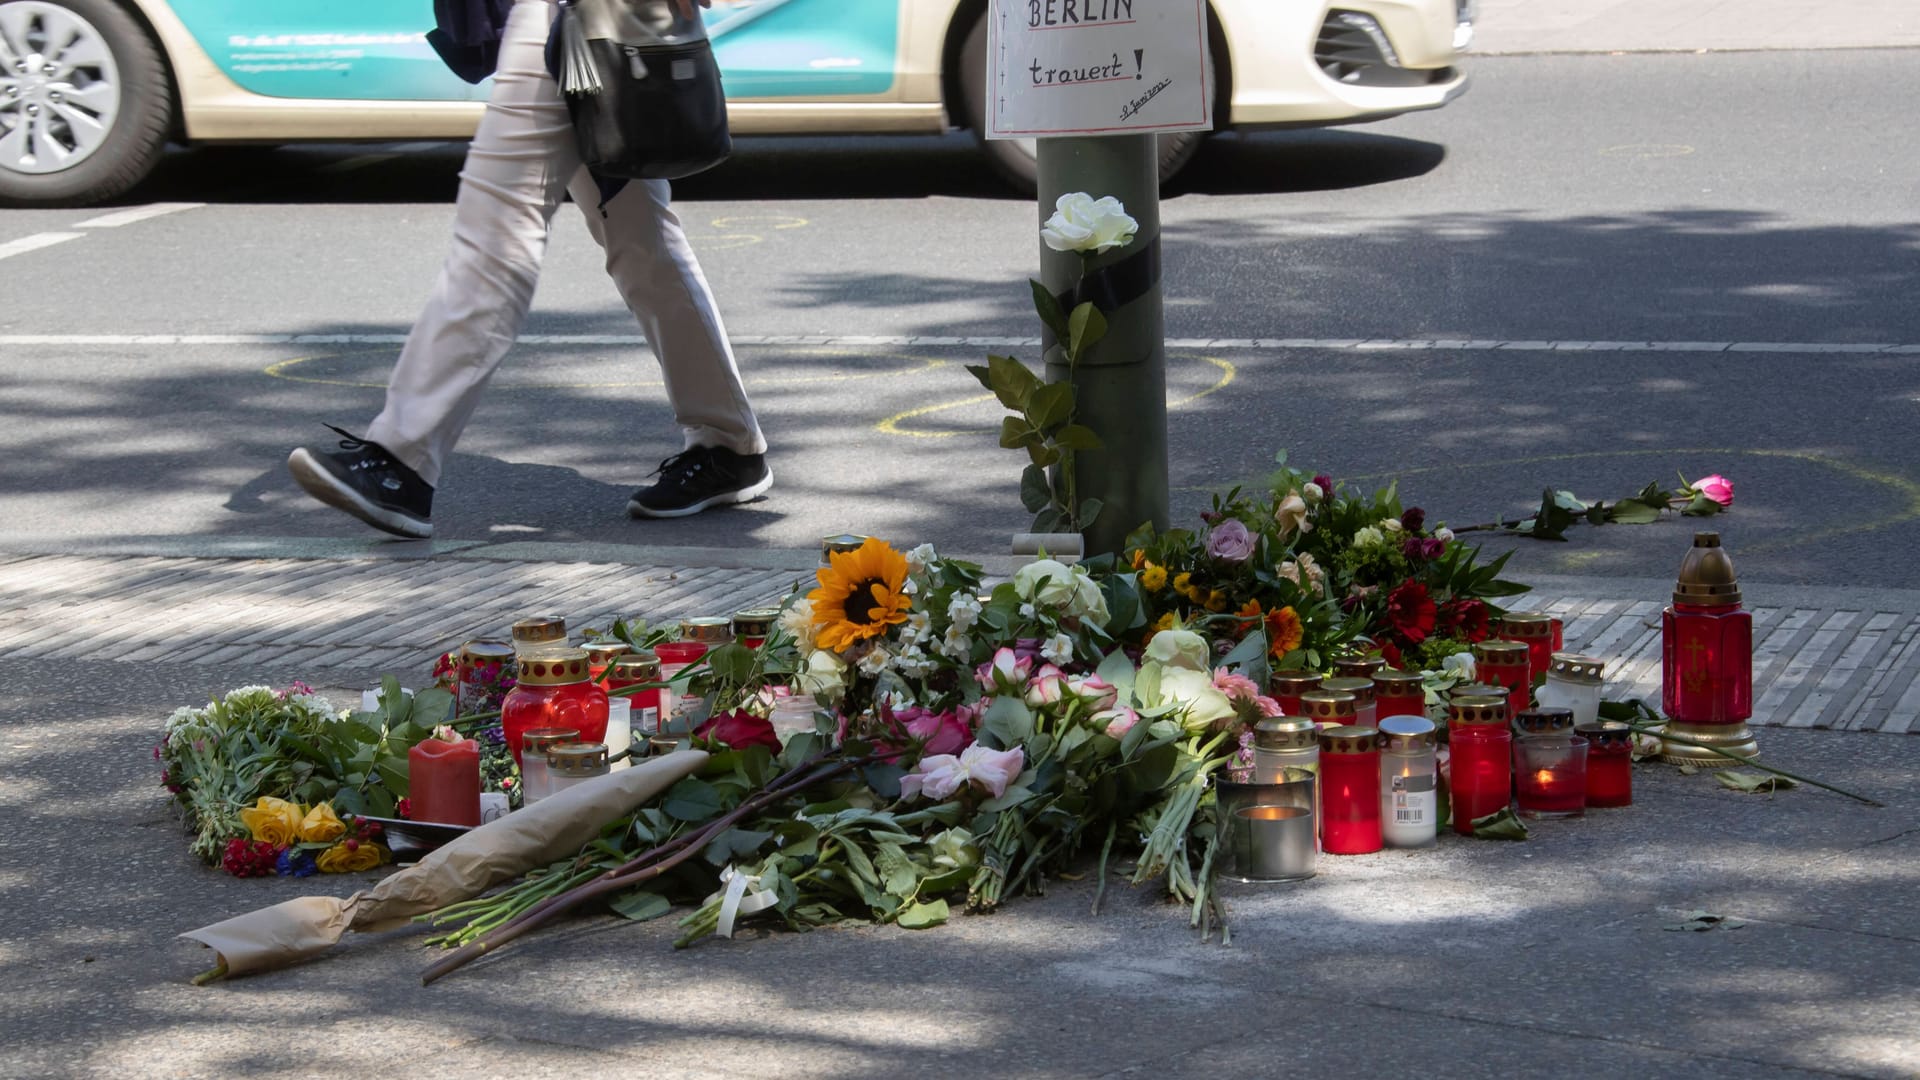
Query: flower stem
{"x": 1651, "y": 729}
{"x": 1100, "y": 888}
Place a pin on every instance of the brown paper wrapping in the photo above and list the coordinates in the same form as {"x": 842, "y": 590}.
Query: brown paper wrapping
{"x": 499, "y": 851}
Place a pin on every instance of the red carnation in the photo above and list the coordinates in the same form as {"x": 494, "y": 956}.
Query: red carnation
{"x": 1410, "y": 612}
{"x": 1391, "y": 654}
{"x": 1468, "y": 619}
{"x": 738, "y": 730}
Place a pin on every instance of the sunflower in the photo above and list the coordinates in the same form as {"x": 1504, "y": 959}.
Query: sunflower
{"x": 860, "y": 595}
{"x": 1284, "y": 632}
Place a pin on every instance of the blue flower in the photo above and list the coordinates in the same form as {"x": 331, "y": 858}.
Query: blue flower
{"x": 294, "y": 863}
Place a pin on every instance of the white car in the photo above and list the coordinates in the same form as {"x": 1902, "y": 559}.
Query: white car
{"x": 91, "y": 91}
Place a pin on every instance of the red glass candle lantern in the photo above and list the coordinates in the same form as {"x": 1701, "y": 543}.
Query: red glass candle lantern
{"x": 555, "y": 690}
{"x": 1507, "y": 664}
{"x": 1706, "y": 652}
{"x": 600, "y": 657}
{"x": 1609, "y": 762}
{"x": 1354, "y": 666}
{"x": 443, "y": 781}
{"x": 1286, "y": 686}
{"x": 1327, "y": 708}
{"x": 1551, "y": 775}
{"x": 1349, "y": 790}
{"x": 1535, "y": 630}
{"x": 634, "y": 669}
{"x": 1480, "y": 759}
{"x": 1365, "y": 712}
{"x": 1398, "y": 693}
{"x": 751, "y": 628}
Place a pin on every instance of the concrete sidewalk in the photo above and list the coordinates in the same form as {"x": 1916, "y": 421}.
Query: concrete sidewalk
{"x": 1547, "y": 26}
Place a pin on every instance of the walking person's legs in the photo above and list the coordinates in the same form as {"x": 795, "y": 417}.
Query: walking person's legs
{"x": 514, "y": 179}
{"x": 654, "y": 267}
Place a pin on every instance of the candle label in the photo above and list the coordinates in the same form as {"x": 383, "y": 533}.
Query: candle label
{"x": 1413, "y": 800}
{"x": 647, "y": 720}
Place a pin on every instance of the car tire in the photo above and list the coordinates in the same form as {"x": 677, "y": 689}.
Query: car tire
{"x": 1014, "y": 159}
{"x": 134, "y": 78}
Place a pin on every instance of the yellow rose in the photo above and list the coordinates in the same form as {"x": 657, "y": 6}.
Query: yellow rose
{"x": 1153, "y": 578}
{"x": 320, "y": 825}
{"x": 275, "y": 821}
{"x": 350, "y": 855}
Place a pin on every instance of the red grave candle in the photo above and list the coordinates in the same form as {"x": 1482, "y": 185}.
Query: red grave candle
{"x": 1609, "y": 763}
{"x": 1551, "y": 775}
{"x": 600, "y": 657}
{"x": 443, "y": 781}
{"x": 1349, "y": 790}
{"x": 1480, "y": 759}
{"x": 1507, "y": 664}
{"x": 1398, "y": 693}
{"x": 1287, "y": 685}
{"x": 752, "y": 627}
{"x": 634, "y": 669}
{"x": 1706, "y": 642}
{"x": 1538, "y": 631}
{"x": 555, "y": 690}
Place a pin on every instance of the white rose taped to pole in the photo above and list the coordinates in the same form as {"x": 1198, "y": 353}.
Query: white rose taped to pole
{"x": 499, "y": 851}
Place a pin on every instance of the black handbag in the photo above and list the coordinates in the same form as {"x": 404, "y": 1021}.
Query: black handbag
{"x": 642, "y": 88}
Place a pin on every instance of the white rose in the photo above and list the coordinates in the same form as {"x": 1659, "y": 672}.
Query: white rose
{"x": 1443, "y": 534}
{"x": 1312, "y": 493}
{"x": 1393, "y": 525}
{"x": 1368, "y": 536}
{"x": 1084, "y": 224}
{"x": 1179, "y": 648}
{"x": 825, "y": 676}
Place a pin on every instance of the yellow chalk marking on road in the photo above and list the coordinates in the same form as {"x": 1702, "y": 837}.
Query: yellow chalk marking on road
{"x": 892, "y": 424}
{"x": 1648, "y": 150}
{"x": 283, "y": 369}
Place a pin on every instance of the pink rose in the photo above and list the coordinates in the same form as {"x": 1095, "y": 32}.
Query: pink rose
{"x": 1116, "y": 722}
{"x": 1006, "y": 672}
{"x": 941, "y": 776}
{"x": 1715, "y": 487}
{"x": 994, "y": 770}
{"x": 1095, "y": 691}
{"x": 1048, "y": 686}
{"x": 1230, "y": 541}
{"x": 938, "y": 733}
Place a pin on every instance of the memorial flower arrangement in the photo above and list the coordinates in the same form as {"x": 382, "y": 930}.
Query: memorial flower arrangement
{"x": 291, "y": 840}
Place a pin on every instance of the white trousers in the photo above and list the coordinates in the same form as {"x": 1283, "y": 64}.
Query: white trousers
{"x": 522, "y": 164}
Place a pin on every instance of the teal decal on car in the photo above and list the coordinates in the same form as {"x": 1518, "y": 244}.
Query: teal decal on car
{"x": 361, "y": 49}
{"x": 805, "y": 48}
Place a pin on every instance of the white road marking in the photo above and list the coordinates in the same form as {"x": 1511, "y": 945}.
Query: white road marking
{"x": 137, "y": 213}
{"x": 35, "y": 242}
{"x": 882, "y": 341}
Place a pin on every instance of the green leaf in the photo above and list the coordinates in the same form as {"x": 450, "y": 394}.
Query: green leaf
{"x": 861, "y": 865}
{"x": 978, "y": 371}
{"x": 1009, "y": 721}
{"x": 1047, "y": 306}
{"x": 1035, "y": 491}
{"x": 922, "y": 916}
{"x": 1090, "y": 509}
{"x": 641, "y": 905}
{"x": 431, "y": 707}
{"x": 1701, "y": 506}
{"x": 691, "y": 800}
{"x": 1077, "y": 437}
{"x": 1700, "y": 921}
{"x": 1632, "y": 512}
{"x": 1015, "y": 433}
{"x": 799, "y": 748}
{"x": 1049, "y": 520}
{"x": 1050, "y": 405}
{"x": 1750, "y": 782}
{"x": 734, "y": 843}
{"x": 1502, "y": 824}
{"x": 1011, "y": 381}
{"x": 1087, "y": 327}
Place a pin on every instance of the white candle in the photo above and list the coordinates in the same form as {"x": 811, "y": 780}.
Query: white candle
{"x": 619, "y": 729}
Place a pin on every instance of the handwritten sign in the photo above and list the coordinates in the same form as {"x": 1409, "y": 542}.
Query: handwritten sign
{"x": 1097, "y": 67}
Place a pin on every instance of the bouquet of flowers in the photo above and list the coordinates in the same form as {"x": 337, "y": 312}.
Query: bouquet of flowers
{"x": 291, "y": 840}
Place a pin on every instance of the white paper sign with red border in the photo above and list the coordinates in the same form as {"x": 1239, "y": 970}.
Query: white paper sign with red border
{"x": 1097, "y": 67}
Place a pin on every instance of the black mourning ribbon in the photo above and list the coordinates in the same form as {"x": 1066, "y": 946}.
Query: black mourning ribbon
{"x": 1116, "y": 285}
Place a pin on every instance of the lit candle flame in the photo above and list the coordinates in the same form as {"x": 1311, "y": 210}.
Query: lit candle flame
{"x": 1544, "y": 777}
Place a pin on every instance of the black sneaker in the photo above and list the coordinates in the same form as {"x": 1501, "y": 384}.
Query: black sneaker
{"x": 367, "y": 482}
{"x": 704, "y": 476}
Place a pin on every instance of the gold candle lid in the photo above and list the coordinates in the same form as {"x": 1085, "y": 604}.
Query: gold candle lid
{"x": 1360, "y": 688}
{"x": 604, "y": 652}
{"x": 487, "y": 650}
{"x": 1543, "y": 720}
{"x": 643, "y": 666}
{"x": 540, "y": 630}
{"x": 538, "y": 740}
{"x": 1608, "y": 734}
{"x": 1706, "y": 574}
{"x": 1293, "y": 681}
{"x": 839, "y": 545}
{"x": 1477, "y": 689}
{"x": 710, "y": 629}
{"x": 1527, "y": 624}
{"x": 577, "y": 758}
{"x": 1576, "y": 668}
{"x": 1357, "y": 667}
{"x": 1349, "y": 739}
{"x": 1477, "y": 710}
{"x": 557, "y": 665}
{"x": 1285, "y": 733}
{"x": 1500, "y": 652}
{"x": 755, "y": 622}
{"x": 1392, "y": 682}
{"x": 1327, "y": 706}
{"x": 1406, "y": 733}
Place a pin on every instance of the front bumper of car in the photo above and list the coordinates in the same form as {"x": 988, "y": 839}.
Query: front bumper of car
{"x": 1368, "y": 60}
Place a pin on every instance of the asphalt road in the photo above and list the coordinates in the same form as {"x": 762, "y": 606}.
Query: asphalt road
{"x": 1755, "y": 198}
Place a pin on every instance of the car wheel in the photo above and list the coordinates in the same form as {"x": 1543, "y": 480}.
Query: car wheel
{"x": 1015, "y": 159}
{"x": 85, "y": 102}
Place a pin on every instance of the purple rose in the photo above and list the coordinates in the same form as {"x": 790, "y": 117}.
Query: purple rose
{"x": 1413, "y": 548}
{"x": 1413, "y": 518}
{"x": 1434, "y": 547}
{"x": 1326, "y": 483}
{"x": 1230, "y": 541}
